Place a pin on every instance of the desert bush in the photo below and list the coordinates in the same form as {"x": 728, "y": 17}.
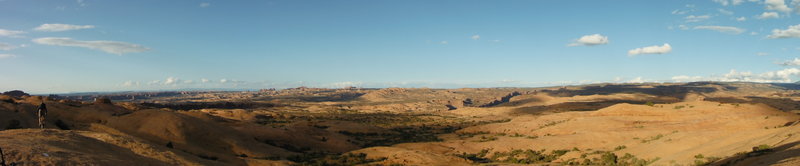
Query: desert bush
{"x": 487, "y": 139}
{"x": 761, "y": 148}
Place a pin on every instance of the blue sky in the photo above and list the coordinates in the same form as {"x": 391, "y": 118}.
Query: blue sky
{"x": 63, "y": 46}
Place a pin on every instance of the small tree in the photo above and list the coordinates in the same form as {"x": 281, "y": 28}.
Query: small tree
{"x": 650, "y": 103}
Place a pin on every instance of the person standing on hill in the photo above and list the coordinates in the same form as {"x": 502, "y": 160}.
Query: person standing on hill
{"x": 42, "y": 113}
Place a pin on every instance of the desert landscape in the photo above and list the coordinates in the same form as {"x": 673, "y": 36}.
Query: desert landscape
{"x": 699, "y": 123}
{"x": 399, "y": 82}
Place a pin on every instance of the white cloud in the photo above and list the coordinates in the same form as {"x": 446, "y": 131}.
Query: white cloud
{"x": 666, "y": 48}
{"x": 777, "y": 5}
{"x": 154, "y": 82}
{"x": 343, "y": 84}
{"x": 4, "y": 56}
{"x": 725, "y": 12}
{"x": 723, "y": 29}
{"x": 782, "y": 76}
{"x": 684, "y": 78}
{"x": 10, "y": 33}
{"x": 794, "y": 62}
{"x": 205, "y": 4}
{"x": 61, "y": 27}
{"x": 768, "y": 15}
{"x": 443, "y": 42}
{"x": 762, "y": 54}
{"x": 6, "y": 46}
{"x": 476, "y": 37}
{"x": 680, "y": 12}
{"x": 772, "y": 76}
{"x": 113, "y": 47}
{"x": 223, "y": 80}
{"x": 494, "y": 41}
{"x": 791, "y": 32}
{"x": 753, "y": 33}
{"x": 590, "y": 40}
{"x": 171, "y": 81}
{"x": 693, "y": 18}
{"x": 741, "y": 19}
{"x": 203, "y": 80}
{"x": 636, "y": 80}
{"x": 130, "y": 83}
{"x": 683, "y": 27}
{"x": 188, "y": 81}
{"x": 728, "y": 2}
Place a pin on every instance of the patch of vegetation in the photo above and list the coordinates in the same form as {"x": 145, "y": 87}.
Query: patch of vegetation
{"x": 679, "y": 107}
{"x": 699, "y": 156}
{"x": 399, "y": 135}
{"x": 705, "y": 161}
{"x": 609, "y": 158}
{"x": 650, "y": 103}
{"x": 762, "y": 148}
{"x": 487, "y": 139}
{"x": 620, "y": 147}
{"x": 479, "y": 157}
{"x": 470, "y": 134}
{"x": 553, "y": 123}
{"x": 653, "y": 138}
{"x": 322, "y": 159}
{"x": 527, "y": 156}
{"x": 517, "y": 135}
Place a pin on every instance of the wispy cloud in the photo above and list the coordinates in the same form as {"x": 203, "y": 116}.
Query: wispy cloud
{"x": 476, "y": 37}
{"x": 728, "y": 2}
{"x": 205, "y": 4}
{"x": 740, "y": 19}
{"x": 666, "y": 48}
{"x": 61, "y": 27}
{"x": 6, "y": 46}
{"x": 693, "y": 18}
{"x": 590, "y": 40}
{"x": 4, "y": 56}
{"x": 791, "y": 32}
{"x": 794, "y": 62}
{"x": 113, "y": 47}
{"x": 723, "y": 29}
{"x": 10, "y": 33}
{"x": 130, "y": 83}
{"x": 725, "y": 12}
{"x": 768, "y": 15}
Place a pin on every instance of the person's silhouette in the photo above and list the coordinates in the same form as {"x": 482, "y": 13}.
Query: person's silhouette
{"x": 42, "y": 112}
